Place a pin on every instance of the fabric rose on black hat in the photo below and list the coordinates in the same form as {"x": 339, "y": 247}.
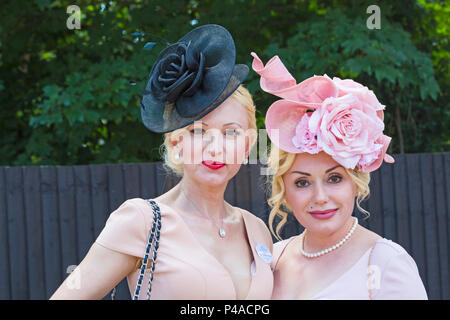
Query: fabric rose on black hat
{"x": 190, "y": 78}
{"x": 178, "y": 73}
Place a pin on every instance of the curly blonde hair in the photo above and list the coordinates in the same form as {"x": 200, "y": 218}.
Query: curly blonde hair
{"x": 243, "y": 96}
{"x": 279, "y": 163}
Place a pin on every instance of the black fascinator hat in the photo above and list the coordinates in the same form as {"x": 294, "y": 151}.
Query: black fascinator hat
{"x": 191, "y": 78}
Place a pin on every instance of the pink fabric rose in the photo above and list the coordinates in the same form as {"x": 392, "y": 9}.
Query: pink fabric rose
{"x": 347, "y": 128}
{"x": 369, "y": 158}
{"x": 372, "y": 161}
{"x": 364, "y": 94}
{"x": 304, "y": 139}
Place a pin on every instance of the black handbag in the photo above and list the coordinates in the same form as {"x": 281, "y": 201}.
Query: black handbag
{"x": 153, "y": 241}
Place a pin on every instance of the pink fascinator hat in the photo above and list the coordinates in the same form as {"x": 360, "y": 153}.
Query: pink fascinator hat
{"x": 340, "y": 117}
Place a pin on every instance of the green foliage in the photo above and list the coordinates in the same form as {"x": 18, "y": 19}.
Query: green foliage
{"x": 342, "y": 46}
{"x": 72, "y": 96}
{"x": 338, "y": 43}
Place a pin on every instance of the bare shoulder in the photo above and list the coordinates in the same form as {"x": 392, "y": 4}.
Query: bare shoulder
{"x": 383, "y": 249}
{"x": 163, "y": 200}
{"x": 367, "y": 237}
{"x": 285, "y": 251}
{"x": 282, "y": 244}
{"x": 360, "y": 242}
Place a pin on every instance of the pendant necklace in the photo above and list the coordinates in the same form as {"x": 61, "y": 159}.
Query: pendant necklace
{"x": 222, "y": 232}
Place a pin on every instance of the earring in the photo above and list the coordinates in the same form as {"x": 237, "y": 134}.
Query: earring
{"x": 245, "y": 161}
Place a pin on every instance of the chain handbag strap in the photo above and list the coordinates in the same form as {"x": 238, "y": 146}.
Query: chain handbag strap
{"x": 153, "y": 241}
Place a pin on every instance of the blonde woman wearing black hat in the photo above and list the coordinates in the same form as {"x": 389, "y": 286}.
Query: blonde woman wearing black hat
{"x": 188, "y": 243}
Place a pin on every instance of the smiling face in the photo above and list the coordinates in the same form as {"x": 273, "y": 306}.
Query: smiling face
{"x": 213, "y": 148}
{"x": 320, "y": 192}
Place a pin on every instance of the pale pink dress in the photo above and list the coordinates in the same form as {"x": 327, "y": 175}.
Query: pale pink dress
{"x": 393, "y": 275}
{"x": 184, "y": 269}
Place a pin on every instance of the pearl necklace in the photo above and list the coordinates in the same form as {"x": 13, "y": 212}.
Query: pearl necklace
{"x": 325, "y": 251}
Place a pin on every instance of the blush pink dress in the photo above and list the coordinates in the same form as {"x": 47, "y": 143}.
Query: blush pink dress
{"x": 392, "y": 275}
{"x": 184, "y": 269}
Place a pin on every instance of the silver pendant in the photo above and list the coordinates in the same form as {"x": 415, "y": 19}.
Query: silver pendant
{"x": 222, "y": 233}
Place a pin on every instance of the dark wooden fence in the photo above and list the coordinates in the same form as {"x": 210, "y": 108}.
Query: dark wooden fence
{"x": 51, "y": 215}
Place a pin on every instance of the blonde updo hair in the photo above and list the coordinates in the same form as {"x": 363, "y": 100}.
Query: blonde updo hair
{"x": 279, "y": 163}
{"x": 243, "y": 96}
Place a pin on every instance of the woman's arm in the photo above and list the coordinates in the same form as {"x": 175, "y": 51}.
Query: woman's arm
{"x": 99, "y": 272}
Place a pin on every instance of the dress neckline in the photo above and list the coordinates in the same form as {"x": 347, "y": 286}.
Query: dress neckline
{"x": 212, "y": 257}
{"x": 340, "y": 276}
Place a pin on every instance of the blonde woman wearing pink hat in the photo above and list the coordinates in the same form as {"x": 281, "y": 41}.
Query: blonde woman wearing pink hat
{"x": 327, "y": 136}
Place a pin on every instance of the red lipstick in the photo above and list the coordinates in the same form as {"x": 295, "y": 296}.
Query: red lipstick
{"x": 214, "y": 165}
{"x": 326, "y": 214}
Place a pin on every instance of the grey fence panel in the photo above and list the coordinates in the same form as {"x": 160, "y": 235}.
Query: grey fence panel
{"x": 430, "y": 224}
{"x": 51, "y": 231}
{"x": 131, "y": 181}
{"x": 442, "y": 222}
{"x": 17, "y": 234}
{"x": 416, "y": 214}
{"x": 242, "y": 188}
{"x": 99, "y": 196}
{"x": 161, "y": 178}
{"x": 35, "y": 244}
{"x": 446, "y": 175}
{"x": 116, "y": 198}
{"x": 401, "y": 202}
{"x": 230, "y": 192}
{"x": 258, "y": 191}
{"x": 51, "y": 215}
{"x": 5, "y": 271}
{"x": 149, "y": 185}
{"x": 68, "y": 225}
{"x": 374, "y": 205}
{"x": 84, "y": 214}
{"x": 442, "y": 219}
{"x": 116, "y": 186}
{"x": 388, "y": 210}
